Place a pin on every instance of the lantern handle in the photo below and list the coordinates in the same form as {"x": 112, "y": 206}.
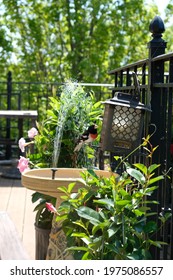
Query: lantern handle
{"x": 136, "y": 84}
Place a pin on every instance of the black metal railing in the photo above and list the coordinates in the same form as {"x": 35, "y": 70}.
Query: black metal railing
{"x": 31, "y": 96}
{"x": 155, "y": 75}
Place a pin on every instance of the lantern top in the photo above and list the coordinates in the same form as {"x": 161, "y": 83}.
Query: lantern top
{"x": 127, "y": 100}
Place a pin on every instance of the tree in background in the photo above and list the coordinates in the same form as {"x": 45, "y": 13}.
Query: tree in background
{"x": 168, "y": 36}
{"x": 50, "y": 40}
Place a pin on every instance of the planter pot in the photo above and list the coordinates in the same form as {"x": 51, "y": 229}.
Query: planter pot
{"x": 41, "y": 242}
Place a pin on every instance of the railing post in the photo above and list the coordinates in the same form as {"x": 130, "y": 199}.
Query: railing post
{"x": 9, "y": 90}
{"x": 156, "y": 47}
{"x": 8, "y": 123}
{"x": 156, "y": 99}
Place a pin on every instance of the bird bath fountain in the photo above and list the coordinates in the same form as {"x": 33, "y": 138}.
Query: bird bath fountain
{"x": 47, "y": 180}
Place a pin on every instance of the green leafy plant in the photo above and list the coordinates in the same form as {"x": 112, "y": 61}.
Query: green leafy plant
{"x": 80, "y": 111}
{"x": 43, "y": 218}
{"x": 75, "y": 110}
{"x": 111, "y": 218}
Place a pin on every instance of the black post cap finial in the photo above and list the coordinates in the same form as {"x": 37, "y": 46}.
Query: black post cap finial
{"x": 157, "y": 27}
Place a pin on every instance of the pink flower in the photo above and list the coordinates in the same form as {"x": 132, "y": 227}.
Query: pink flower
{"x": 22, "y": 144}
{"x": 32, "y": 132}
{"x": 51, "y": 208}
{"x": 23, "y": 164}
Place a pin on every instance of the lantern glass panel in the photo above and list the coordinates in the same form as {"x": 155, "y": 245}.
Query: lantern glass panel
{"x": 122, "y": 127}
{"x": 126, "y": 123}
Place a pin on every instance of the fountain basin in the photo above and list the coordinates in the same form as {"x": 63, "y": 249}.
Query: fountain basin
{"x": 40, "y": 180}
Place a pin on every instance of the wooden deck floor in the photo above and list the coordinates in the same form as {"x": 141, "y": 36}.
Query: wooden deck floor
{"x": 16, "y": 201}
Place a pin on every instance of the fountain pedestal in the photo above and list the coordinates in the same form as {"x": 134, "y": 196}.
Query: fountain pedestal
{"x": 57, "y": 240}
{"x": 40, "y": 180}
{"x": 57, "y": 243}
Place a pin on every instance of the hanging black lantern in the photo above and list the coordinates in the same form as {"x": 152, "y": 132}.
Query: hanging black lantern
{"x": 122, "y": 123}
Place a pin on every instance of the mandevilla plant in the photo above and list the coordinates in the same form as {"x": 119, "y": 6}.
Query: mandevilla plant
{"x": 110, "y": 218}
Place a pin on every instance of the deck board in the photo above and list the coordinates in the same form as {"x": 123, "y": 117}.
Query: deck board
{"x": 11, "y": 247}
{"x": 16, "y": 201}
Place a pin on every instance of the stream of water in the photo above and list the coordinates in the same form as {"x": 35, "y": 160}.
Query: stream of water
{"x": 67, "y": 103}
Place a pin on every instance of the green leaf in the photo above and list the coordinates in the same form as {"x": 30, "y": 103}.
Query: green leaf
{"x": 138, "y": 213}
{"x": 35, "y": 196}
{"x": 152, "y": 167}
{"x": 125, "y": 194}
{"x": 92, "y": 173}
{"x": 150, "y": 190}
{"x": 122, "y": 202}
{"x": 86, "y": 240}
{"x": 165, "y": 217}
{"x": 150, "y": 226}
{"x": 74, "y": 248}
{"x": 61, "y": 218}
{"x": 43, "y": 197}
{"x": 144, "y": 209}
{"x": 81, "y": 224}
{"x": 79, "y": 234}
{"x": 64, "y": 197}
{"x": 70, "y": 187}
{"x": 94, "y": 113}
{"x": 105, "y": 201}
{"x": 138, "y": 195}
{"x": 87, "y": 256}
{"x": 141, "y": 167}
{"x": 74, "y": 196}
{"x": 156, "y": 179}
{"x": 151, "y": 202}
{"x": 40, "y": 206}
{"x": 101, "y": 226}
{"x": 157, "y": 243}
{"x": 97, "y": 104}
{"x": 139, "y": 226}
{"x": 89, "y": 214}
{"x": 117, "y": 157}
{"x": 150, "y": 214}
{"x": 96, "y": 243}
{"x": 113, "y": 248}
{"x": 134, "y": 256}
{"x": 64, "y": 206}
{"x": 63, "y": 189}
{"x": 113, "y": 230}
{"x": 136, "y": 174}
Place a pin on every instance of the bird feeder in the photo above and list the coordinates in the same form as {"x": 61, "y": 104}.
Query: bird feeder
{"x": 122, "y": 123}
